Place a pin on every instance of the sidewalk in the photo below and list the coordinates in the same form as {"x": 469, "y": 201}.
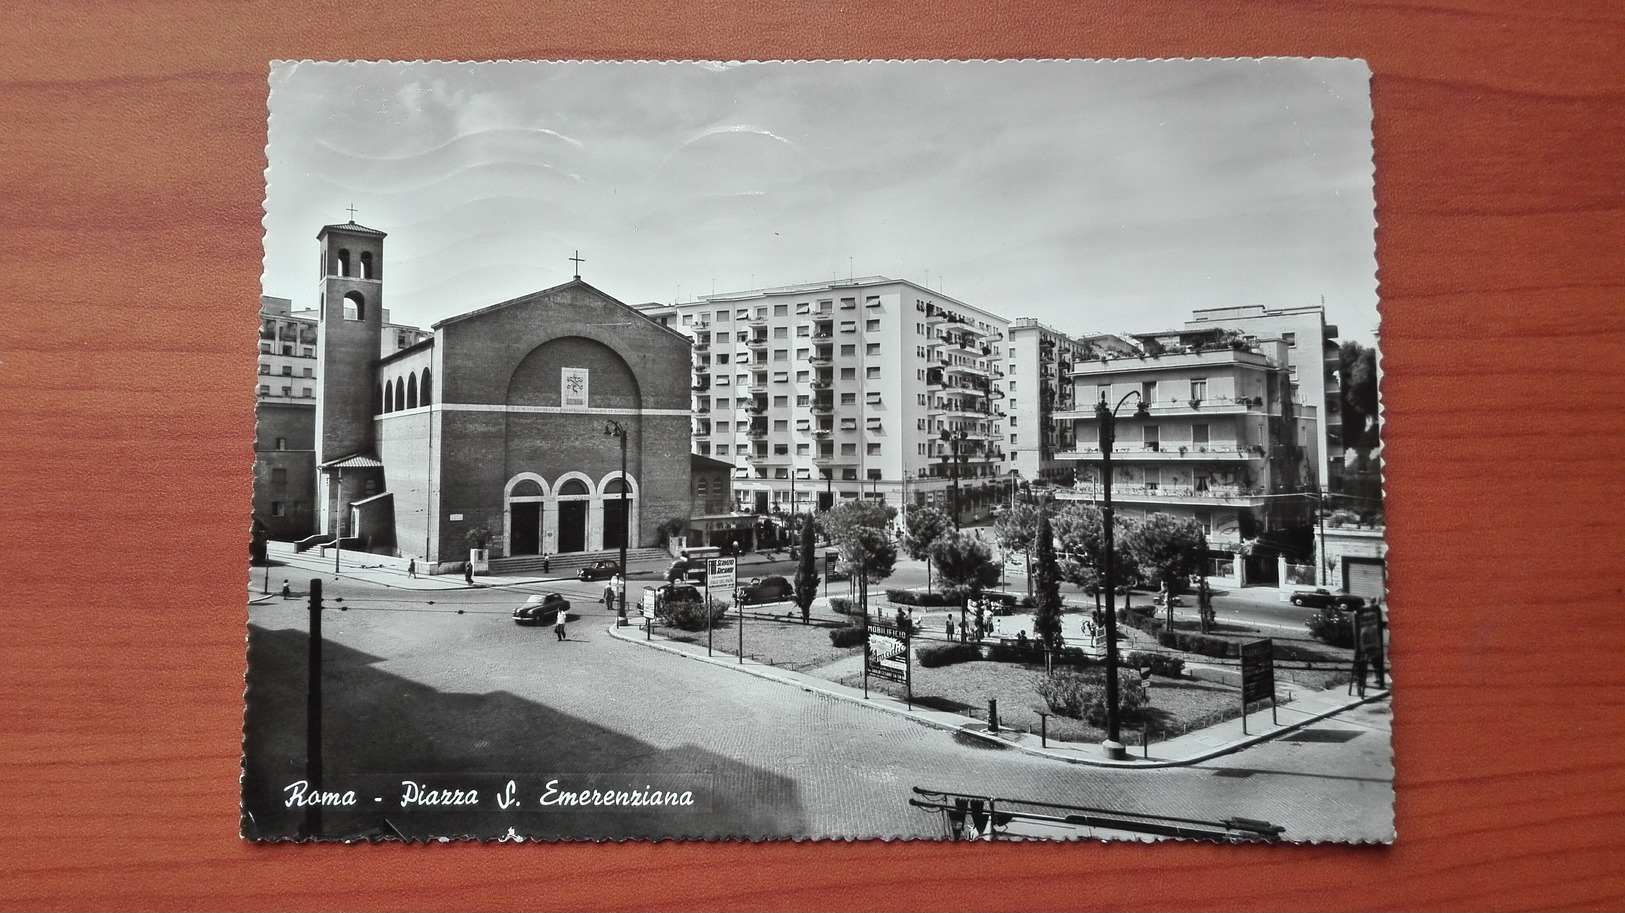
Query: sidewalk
{"x": 377, "y": 570}
{"x": 1190, "y": 748}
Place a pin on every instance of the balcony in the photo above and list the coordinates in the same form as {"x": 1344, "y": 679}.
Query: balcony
{"x": 756, "y": 409}
{"x": 823, "y": 334}
{"x": 820, "y": 359}
{"x": 1222, "y": 495}
{"x": 1220, "y": 405}
{"x": 757, "y": 388}
{"x": 822, "y": 408}
{"x": 756, "y": 342}
{"x": 756, "y": 432}
{"x": 965, "y": 370}
{"x": 759, "y": 320}
{"x": 702, "y": 344}
{"x": 1140, "y": 453}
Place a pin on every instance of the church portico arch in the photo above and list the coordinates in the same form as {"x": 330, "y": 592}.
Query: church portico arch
{"x": 575, "y": 519}
{"x": 523, "y": 514}
{"x": 613, "y": 525}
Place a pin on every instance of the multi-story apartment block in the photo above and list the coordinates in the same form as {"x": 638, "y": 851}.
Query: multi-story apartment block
{"x": 1038, "y": 368}
{"x": 285, "y": 414}
{"x": 1224, "y": 441}
{"x": 1313, "y": 363}
{"x": 868, "y": 388}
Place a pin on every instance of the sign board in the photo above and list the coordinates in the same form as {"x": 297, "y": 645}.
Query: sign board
{"x": 720, "y": 573}
{"x": 887, "y": 654}
{"x": 648, "y": 602}
{"x": 573, "y": 388}
{"x": 456, "y": 516}
{"x": 1145, "y": 680}
{"x": 1257, "y": 671}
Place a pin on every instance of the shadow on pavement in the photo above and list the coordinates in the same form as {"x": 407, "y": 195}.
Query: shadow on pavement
{"x": 381, "y": 729}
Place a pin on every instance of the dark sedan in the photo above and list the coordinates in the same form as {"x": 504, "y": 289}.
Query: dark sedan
{"x": 599, "y": 570}
{"x": 768, "y": 589}
{"x": 1322, "y": 598}
{"x": 541, "y": 610}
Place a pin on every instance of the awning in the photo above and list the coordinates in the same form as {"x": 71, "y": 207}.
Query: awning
{"x": 353, "y": 461}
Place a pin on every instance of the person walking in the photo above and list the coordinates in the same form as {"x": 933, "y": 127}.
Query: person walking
{"x": 412, "y": 568}
{"x": 558, "y": 625}
{"x": 468, "y": 573}
{"x": 950, "y": 627}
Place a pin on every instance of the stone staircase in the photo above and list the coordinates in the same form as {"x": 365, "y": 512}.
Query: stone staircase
{"x": 566, "y": 565}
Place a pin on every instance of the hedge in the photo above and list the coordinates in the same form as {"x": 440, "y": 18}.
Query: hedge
{"x": 947, "y": 654}
{"x": 850, "y": 636}
{"x": 1160, "y": 663}
{"x": 918, "y": 598}
{"x": 843, "y": 606}
{"x": 1202, "y": 644}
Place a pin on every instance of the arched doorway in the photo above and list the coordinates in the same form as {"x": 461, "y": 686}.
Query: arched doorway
{"x": 620, "y": 519}
{"x": 573, "y": 499}
{"x": 525, "y": 496}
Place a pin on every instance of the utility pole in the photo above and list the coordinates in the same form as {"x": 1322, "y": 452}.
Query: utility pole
{"x": 1107, "y": 417}
{"x": 313, "y": 713}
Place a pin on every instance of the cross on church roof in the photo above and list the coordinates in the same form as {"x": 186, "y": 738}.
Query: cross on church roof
{"x": 578, "y": 261}
{"x": 352, "y": 213}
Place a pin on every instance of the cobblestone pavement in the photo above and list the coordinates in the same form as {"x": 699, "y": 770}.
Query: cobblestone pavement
{"x": 822, "y": 767}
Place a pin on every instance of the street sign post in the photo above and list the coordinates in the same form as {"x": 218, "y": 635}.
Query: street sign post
{"x": 887, "y": 655}
{"x": 720, "y": 573}
{"x": 1257, "y": 677}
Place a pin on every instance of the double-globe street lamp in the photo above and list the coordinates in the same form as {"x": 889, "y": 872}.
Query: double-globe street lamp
{"x": 1107, "y": 416}
{"x": 615, "y": 429}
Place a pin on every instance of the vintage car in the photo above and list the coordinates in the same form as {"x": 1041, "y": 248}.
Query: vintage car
{"x": 599, "y": 570}
{"x": 541, "y": 609}
{"x": 768, "y": 589}
{"x": 1321, "y": 598}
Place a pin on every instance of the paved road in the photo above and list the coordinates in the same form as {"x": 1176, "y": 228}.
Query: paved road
{"x": 419, "y": 687}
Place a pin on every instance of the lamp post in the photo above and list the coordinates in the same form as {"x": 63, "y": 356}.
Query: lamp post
{"x": 1107, "y": 416}
{"x": 953, "y": 438}
{"x": 615, "y": 429}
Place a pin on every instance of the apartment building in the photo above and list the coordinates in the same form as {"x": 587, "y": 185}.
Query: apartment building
{"x": 1038, "y": 366}
{"x": 1223, "y": 441}
{"x": 866, "y": 388}
{"x": 285, "y": 414}
{"x": 1312, "y": 361}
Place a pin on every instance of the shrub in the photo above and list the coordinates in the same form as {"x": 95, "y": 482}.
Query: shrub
{"x": 1077, "y": 695}
{"x": 1012, "y": 653}
{"x": 1160, "y": 663}
{"x": 1332, "y": 628}
{"x": 843, "y": 606}
{"x": 850, "y": 636}
{"x": 693, "y": 616}
{"x": 1190, "y": 642}
{"x": 947, "y": 654}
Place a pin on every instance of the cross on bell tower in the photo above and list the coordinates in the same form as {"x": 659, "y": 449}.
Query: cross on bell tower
{"x": 577, "y": 259}
{"x": 352, "y": 213}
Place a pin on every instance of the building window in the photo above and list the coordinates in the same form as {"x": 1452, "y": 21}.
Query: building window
{"x": 872, "y": 372}
{"x": 873, "y": 349}
{"x": 308, "y": 393}
{"x": 265, "y": 369}
{"x": 1291, "y": 340}
{"x": 803, "y": 399}
{"x": 849, "y": 374}
{"x": 849, "y": 450}
{"x": 1153, "y": 439}
{"x": 781, "y": 332}
{"x": 277, "y": 509}
{"x": 1204, "y": 519}
{"x": 781, "y": 354}
{"x": 781, "y": 402}
{"x": 722, "y": 427}
{"x": 282, "y": 443}
{"x": 279, "y": 476}
{"x": 1199, "y": 388}
{"x": 265, "y": 348}
{"x": 287, "y": 370}
{"x": 310, "y": 372}
{"x": 848, "y": 304}
{"x": 874, "y": 450}
{"x": 781, "y": 310}
{"x": 722, "y": 450}
{"x": 287, "y": 391}
{"x": 1198, "y": 434}
{"x": 849, "y": 399}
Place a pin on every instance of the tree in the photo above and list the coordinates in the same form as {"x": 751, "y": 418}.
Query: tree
{"x": 1080, "y": 531}
{"x": 807, "y": 573}
{"x": 1045, "y": 579}
{"x": 966, "y": 567}
{"x": 1016, "y": 530}
{"x": 925, "y": 525}
{"x": 858, "y": 531}
{"x": 1169, "y": 549}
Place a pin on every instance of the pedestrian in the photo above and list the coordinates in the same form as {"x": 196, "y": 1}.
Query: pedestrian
{"x": 286, "y": 593}
{"x": 950, "y": 627}
{"x": 468, "y": 573}
{"x": 412, "y": 568}
{"x": 558, "y": 625}
{"x": 546, "y": 563}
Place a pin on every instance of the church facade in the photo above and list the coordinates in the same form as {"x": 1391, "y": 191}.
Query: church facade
{"x": 499, "y": 427}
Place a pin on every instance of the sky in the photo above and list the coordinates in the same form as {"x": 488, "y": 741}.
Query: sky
{"x": 1095, "y": 196}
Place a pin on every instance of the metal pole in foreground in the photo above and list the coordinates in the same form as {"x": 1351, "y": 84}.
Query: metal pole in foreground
{"x": 741, "y": 604}
{"x": 313, "y": 713}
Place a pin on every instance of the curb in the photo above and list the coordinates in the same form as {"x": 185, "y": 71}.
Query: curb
{"x": 761, "y": 672}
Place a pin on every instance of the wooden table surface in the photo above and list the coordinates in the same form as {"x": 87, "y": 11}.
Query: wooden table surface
{"x": 131, "y": 154}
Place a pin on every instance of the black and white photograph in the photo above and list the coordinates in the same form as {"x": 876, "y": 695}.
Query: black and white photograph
{"x": 942, "y": 450}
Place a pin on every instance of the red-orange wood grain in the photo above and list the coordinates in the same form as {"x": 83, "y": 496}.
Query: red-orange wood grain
{"x": 131, "y": 155}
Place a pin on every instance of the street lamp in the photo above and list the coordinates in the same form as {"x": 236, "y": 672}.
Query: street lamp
{"x": 615, "y": 429}
{"x": 953, "y": 438}
{"x": 1107, "y": 416}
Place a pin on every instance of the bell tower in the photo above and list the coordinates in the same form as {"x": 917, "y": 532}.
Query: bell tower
{"x": 349, "y": 336}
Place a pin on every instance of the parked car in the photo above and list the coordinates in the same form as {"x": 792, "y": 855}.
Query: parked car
{"x": 541, "y": 609}
{"x": 599, "y": 570}
{"x": 1321, "y": 598}
{"x": 768, "y": 589}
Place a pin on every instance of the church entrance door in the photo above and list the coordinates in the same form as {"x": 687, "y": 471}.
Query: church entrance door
{"x": 527, "y": 528}
{"x": 572, "y": 526}
{"x": 614, "y": 523}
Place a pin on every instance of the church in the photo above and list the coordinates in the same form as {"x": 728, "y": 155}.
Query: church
{"x": 502, "y": 427}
